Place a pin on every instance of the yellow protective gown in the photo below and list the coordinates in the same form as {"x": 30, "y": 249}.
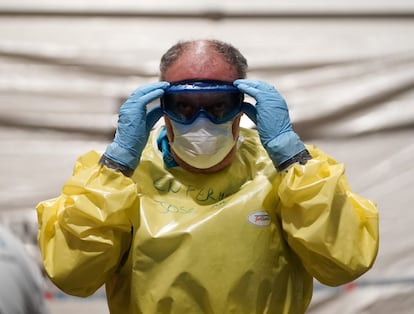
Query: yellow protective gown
{"x": 246, "y": 239}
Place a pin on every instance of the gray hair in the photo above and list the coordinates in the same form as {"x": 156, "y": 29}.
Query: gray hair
{"x": 231, "y": 54}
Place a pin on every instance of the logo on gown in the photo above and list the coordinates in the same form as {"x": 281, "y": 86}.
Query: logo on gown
{"x": 260, "y": 218}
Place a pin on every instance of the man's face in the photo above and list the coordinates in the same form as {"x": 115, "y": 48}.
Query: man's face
{"x": 200, "y": 62}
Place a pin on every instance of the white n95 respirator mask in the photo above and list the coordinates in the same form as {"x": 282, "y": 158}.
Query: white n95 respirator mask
{"x": 202, "y": 144}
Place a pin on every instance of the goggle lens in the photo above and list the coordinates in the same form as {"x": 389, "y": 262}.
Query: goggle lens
{"x": 220, "y": 101}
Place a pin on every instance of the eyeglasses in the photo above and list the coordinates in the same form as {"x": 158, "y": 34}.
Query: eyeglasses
{"x": 184, "y": 101}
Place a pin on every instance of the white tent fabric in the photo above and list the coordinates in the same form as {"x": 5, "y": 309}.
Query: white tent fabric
{"x": 345, "y": 69}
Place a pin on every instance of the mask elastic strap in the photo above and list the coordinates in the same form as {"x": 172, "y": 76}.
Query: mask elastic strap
{"x": 164, "y": 147}
{"x": 250, "y": 111}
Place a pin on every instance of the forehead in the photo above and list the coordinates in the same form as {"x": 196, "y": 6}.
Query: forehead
{"x": 204, "y": 64}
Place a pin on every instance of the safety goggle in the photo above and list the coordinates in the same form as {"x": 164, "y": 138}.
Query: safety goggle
{"x": 184, "y": 101}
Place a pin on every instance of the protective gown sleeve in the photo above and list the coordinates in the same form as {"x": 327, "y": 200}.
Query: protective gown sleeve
{"x": 332, "y": 230}
{"x": 84, "y": 233}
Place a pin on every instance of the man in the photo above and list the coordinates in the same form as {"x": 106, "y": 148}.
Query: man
{"x": 21, "y": 285}
{"x": 203, "y": 216}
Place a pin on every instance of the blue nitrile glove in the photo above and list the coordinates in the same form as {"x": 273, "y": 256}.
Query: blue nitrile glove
{"x": 273, "y": 122}
{"x": 134, "y": 125}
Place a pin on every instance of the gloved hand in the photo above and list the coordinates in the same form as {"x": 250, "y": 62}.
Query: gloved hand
{"x": 273, "y": 122}
{"x": 134, "y": 126}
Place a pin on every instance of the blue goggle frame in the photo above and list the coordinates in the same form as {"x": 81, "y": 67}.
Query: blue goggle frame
{"x": 187, "y": 111}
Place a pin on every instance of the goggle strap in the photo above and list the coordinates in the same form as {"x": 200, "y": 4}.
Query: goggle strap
{"x": 250, "y": 111}
{"x": 153, "y": 116}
